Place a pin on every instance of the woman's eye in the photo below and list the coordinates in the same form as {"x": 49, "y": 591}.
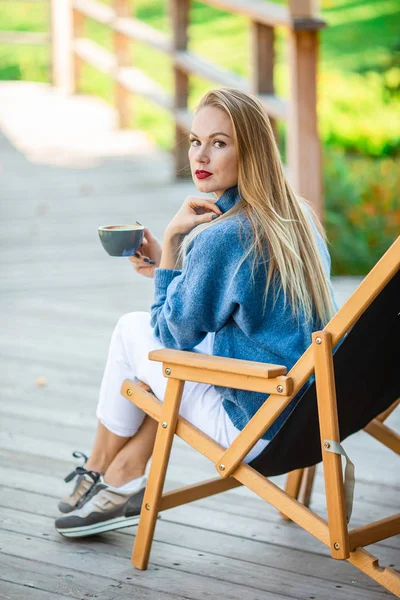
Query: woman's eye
{"x": 195, "y": 142}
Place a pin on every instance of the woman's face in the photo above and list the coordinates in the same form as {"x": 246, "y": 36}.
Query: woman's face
{"x": 213, "y": 152}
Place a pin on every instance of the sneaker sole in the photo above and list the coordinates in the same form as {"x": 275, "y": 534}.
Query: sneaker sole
{"x": 117, "y": 523}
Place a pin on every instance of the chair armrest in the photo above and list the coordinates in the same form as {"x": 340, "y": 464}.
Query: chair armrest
{"x": 217, "y": 363}
{"x": 226, "y": 372}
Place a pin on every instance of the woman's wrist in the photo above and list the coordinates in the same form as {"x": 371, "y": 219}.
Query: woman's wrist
{"x": 170, "y": 248}
{"x": 171, "y": 236}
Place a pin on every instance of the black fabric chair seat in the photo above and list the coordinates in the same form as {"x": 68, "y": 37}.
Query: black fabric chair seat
{"x": 367, "y": 377}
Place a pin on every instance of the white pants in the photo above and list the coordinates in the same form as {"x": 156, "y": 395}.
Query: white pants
{"x": 201, "y": 404}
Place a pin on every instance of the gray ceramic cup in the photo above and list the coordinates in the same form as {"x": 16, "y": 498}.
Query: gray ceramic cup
{"x": 121, "y": 240}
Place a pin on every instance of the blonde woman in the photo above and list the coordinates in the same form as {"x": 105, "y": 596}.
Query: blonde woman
{"x": 243, "y": 273}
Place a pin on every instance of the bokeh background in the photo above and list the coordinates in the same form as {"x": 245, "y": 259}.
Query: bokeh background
{"x": 359, "y": 102}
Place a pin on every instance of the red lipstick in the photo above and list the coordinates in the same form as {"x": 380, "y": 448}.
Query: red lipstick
{"x": 202, "y": 174}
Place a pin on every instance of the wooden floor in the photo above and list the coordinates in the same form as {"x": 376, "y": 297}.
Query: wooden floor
{"x": 61, "y": 296}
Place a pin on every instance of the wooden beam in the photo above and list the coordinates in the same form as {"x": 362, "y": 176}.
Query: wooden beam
{"x": 262, "y": 63}
{"x": 386, "y": 413}
{"x": 374, "y": 532}
{"x": 137, "y": 82}
{"x": 179, "y": 14}
{"x": 385, "y": 435}
{"x": 369, "y": 564}
{"x": 95, "y": 55}
{"x": 267, "y": 13}
{"x": 133, "y": 80}
{"x": 78, "y": 24}
{"x": 184, "y": 118}
{"x": 197, "y": 491}
{"x": 123, "y": 59}
{"x": 62, "y": 59}
{"x": 95, "y": 10}
{"x": 220, "y": 364}
{"x": 304, "y": 148}
{"x": 141, "y": 32}
{"x": 29, "y": 38}
{"x": 158, "y": 468}
{"x": 293, "y": 483}
{"x": 303, "y": 9}
{"x": 329, "y": 429}
{"x": 234, "y": 380}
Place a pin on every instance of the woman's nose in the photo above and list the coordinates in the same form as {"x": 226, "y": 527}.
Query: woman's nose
{"x": 202, "y": 157}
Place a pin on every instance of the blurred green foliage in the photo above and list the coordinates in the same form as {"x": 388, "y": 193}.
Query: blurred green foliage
{"x": 362, "y": 209}
{"x": 359, "y": 101}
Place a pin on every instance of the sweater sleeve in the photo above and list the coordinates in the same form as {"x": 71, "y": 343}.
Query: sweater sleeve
{"x": 190, "y": 303}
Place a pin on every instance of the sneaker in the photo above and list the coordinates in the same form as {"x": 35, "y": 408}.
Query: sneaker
{"x": 102, "y": 509}
{"x": 85, "y": 482}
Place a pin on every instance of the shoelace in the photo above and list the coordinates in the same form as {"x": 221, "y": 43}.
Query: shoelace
{"x": 81, "y": 469}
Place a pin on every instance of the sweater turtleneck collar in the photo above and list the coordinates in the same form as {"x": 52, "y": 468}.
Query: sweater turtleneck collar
{"x": 228, "y": 199}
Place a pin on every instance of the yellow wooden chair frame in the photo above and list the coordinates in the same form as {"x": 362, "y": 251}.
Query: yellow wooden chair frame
{"x": 180, "y": 366}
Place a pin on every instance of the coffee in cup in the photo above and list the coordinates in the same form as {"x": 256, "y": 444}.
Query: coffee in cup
{"x": 121, "y": 240}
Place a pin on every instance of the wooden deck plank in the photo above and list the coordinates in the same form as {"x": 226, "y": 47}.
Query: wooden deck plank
{"x": 14, "y": 591}
{"x": 238, "y": 571}
{"x": 99, "y": 556}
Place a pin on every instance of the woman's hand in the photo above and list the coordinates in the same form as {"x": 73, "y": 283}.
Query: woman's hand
{"x": 193, "y": 212}
{"x": 148, "y": 257}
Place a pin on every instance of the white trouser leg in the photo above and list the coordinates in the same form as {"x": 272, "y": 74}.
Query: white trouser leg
{"x": 201, "y": 404}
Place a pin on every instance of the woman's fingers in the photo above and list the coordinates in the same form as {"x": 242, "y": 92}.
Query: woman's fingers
{"x": 139, "y": 259}
{"x": 148, "y": 236}
{"x": 202, "y": 203}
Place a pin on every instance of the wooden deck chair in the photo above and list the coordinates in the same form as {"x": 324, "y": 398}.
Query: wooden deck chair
{"x": 353, "y": 384}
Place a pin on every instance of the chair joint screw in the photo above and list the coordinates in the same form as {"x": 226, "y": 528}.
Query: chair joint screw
{"x": 147, "y": 506}
{"x": 279, "y": 389}
{"x": 167, "y": 371}
{"x": 318, "y": 340}
{"x": 164, "y": 424}
{"x": 129, "y": 392}
{"x": 327, "y": 445}
{"x": 336, "y": 545}
{"x": 222, "y": 467}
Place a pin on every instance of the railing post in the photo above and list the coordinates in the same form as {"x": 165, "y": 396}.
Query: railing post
{"x": 62, "y": 67}
{"x": 78, "y": 25}
{"x": 179, "y": 10}
{"x": 262, "y": 62}
{"x": 122, "y": 59}
{"x": 303, "y": 144}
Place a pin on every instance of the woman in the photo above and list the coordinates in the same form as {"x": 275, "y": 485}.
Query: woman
{"x": 254, "y": 285}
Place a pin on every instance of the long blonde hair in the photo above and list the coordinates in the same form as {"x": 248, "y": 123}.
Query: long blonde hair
{"x": 282, "y": 233}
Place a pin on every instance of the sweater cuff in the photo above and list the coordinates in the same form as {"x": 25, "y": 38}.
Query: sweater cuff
{"x": 162, "y": 279}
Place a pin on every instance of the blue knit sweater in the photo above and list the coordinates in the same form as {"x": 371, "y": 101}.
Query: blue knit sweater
{"x": 204, "y": 298}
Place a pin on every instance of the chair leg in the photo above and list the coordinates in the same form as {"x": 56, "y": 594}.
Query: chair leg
{"x": 293, "y": 484}
{"x": 385, "y": 414}
{"x": 385, "y": 435}
{"x": 369, "y": 564}
{"x": 329, "y": 430}
{"x": 158, "y": 469}
{"x": 307, "y": 485}
{"x": 299, "y": 485}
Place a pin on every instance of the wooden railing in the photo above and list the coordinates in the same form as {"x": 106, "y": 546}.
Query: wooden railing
{"x": 71, "y": 49}
{"x": 27, "y": 38}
